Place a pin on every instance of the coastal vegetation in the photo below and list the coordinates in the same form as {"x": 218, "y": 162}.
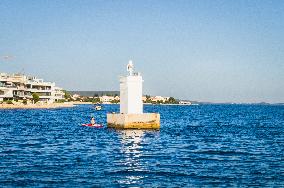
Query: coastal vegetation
{"x": 67, "y": 96}
{"x": 114, "y": 101}
{"x": 148, "y": 99}
{"x": 114, "y": 98}
{"x": 25, "y": 101}
{"x": 171, "y": 100}
{"x": 9, "y": 102}
{"x": 35, "y": 97}
{"x": 61, "y": 101}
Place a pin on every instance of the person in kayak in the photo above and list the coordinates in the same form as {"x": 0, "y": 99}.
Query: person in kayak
{"x": 93, "y": 122}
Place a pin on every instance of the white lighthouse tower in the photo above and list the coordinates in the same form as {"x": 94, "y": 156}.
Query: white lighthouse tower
{"x": 131, "y": 92}
{"x": 131, "y": 114}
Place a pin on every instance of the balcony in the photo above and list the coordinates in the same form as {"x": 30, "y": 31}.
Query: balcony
{"x": 21, "y": 88}
{"x": 33, "y": 90}
{"x": 45, "y": 97}
{"x": 7, "y": 86}
{"x": 50, "y": 84}
{"x": 19, "y": 95}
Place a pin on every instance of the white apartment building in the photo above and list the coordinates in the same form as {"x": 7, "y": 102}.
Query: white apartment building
{"x": 20, "y": 87}
{"x": 158, "y": 98}
{"x": 58, "y": 93}
{"x": 75, "y": 96}
{"x": 106, "y": 99}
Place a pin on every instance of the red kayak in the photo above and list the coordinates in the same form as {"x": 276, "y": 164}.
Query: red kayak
{"x": 95, "y": 125}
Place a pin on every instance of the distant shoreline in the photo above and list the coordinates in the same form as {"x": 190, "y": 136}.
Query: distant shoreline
{"x": 73, "y": 104}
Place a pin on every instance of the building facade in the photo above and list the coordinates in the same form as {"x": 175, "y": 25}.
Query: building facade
{"x": 21, "y": 87}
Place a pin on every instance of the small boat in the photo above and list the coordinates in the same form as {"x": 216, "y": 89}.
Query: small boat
{"x": 95, "y": 125}
{"x": 98, "y": 107}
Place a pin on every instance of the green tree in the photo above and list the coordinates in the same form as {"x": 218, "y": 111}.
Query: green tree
{"x": 35, "y": 97}
{"x": 172, "y": 100}
{"x": 148, "y": 99}
{"x": 96, "y": 100}
{"x": 67, "y": 95}
{"x": 60, "y": 101}
{"x": 160, "y": 102}
{"x": 115, "y": 101}
{"x": 9, "y": 102}
{"x": 25, "y": 101}
{"x": 87, "y": 99}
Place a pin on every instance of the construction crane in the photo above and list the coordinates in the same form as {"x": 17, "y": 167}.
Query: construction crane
{"x": 6, "y": 57}
{"x": 9, "y": 58}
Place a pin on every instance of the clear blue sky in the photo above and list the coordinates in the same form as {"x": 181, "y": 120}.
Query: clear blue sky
{"x": 217, "y": 51}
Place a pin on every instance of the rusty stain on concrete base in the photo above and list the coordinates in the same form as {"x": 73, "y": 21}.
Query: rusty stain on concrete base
{"x": 134, "y": 121}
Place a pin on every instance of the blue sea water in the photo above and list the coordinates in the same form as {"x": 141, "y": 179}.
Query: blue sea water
{"x": 197, "y": 146}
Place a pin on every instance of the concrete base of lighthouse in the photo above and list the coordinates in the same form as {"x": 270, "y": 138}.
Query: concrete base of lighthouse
{"x": 134, "y": 121}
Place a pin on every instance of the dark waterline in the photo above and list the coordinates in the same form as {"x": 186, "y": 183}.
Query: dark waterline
{"x": 206, "y": 145}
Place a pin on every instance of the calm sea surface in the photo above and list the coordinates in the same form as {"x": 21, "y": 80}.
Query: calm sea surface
{"x": 206, "y": 145}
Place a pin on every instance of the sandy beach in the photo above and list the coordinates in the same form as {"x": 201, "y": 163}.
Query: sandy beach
{"x": 36, "y": 106}
{"x": 76, "y": 102}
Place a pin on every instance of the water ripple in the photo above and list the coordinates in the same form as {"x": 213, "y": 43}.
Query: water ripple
{"x": 206, "y": 145}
